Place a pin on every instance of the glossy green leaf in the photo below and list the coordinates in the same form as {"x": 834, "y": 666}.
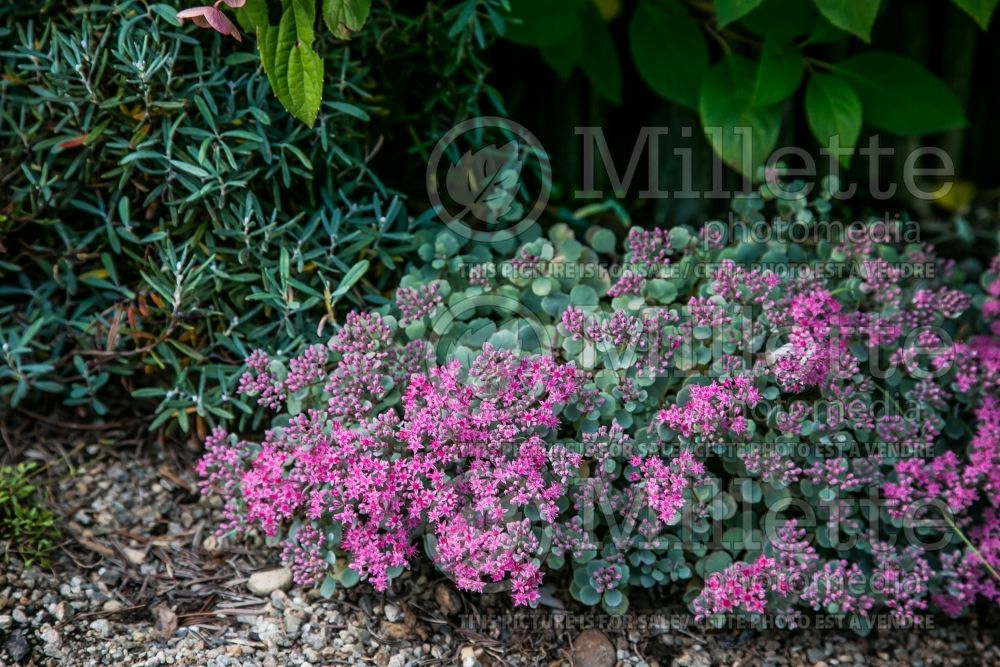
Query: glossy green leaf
{"x": 343, "y": 17}
{"x": 824, "y": 32}
{"x": 898, "y": 95}
{"x": 669, "y": 50}
{"x": 564, "y": 56}
{"x": 252, "y": 15}
{"x": 779, "y": 72}
{"x": 833, "y": 109}
{"x": 980, "y": 10}
{"x": 305, "y": 83}
{"x": 294, "y": 70}
{"x": 743, "y": 135}
{"x": 854, "y": 16}
{"x": 727, "y": 11}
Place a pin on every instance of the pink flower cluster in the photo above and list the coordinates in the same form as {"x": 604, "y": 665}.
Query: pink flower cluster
{"x": 464, "y": 459}
{"x": 415, "y": 302}
{"x": 991, "y": 306}
{"x": 497, "y": 462}
{"x": 742, "y": 587}
{"x": 739, "y": 285}
{"x": 649, "y": 248}
{"x": 629, "y": 283}
{"x": 715, "y": 412}
{"x": 666, "y": 483}
{"x": 966, "y": 575}
{"x": 817, "y": 344}
{"x": 946, "y": 478}
{"x": 648, "y": 335}
{"x": 790, "y": 575}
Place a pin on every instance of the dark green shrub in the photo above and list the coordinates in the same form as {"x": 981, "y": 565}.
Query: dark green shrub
{"x": 163, "y": 214}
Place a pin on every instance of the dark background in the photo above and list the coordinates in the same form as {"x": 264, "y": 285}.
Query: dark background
{"x": 935, "y": 33}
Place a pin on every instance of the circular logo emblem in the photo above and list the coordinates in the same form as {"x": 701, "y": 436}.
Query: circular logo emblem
{"x": 489, "y": 179}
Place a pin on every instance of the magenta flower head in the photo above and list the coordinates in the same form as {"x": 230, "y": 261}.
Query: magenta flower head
{"x": 212, "y": 17}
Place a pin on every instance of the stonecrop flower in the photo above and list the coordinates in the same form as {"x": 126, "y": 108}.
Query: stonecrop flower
{"x": 666, "y": 483}
{"x": 474, "y": 460}
{"x": 714, "y": 412}
{"x": 664, "y": 412}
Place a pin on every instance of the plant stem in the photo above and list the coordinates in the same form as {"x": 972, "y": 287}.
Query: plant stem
{"x": 714, "y": 34}
{"x": 958, "y": 531}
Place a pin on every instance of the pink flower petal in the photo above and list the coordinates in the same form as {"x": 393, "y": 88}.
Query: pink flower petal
{"x": 210, "y": 17}
{"x": 196, "y": 14}
{"x": 222, "y": 24}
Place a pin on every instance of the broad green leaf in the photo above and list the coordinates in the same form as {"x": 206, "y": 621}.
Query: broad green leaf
{"x": 824, "y": 32}
{"x": 599, "y": 60}
{"x": 352, "y": 276}
{"x": 565, "y": 55}
{"x": 833, "y": 109}
{"x": 743, "y": 135}
{"x": 980, "y": 10}
{"x": 854, "y": 16}
{"x": 343, "y": 17}
{"x": 294, "y": 70}
{"x": 252, "y": 15}
{"x": 900, "y": 96}
{"x": 727, "y": 11}
{"x": 783, "y": 19}
{"x": 669, "y": 50}
{"x": 267, "y": 43}
{"x": 305, "y": 83}
{"x": 543, "y": 22}
{"x": 304, "y": 17}
{"x": 608, "y": 9}
{"x": 779, "y": 72}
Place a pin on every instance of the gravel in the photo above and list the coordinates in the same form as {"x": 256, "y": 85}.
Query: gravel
{"x": 141, "y": 580}
{"x": 268, "y": 581}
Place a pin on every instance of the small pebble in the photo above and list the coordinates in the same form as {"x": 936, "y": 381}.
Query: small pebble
{"x": 393, "y": 614}
{"x": 268, "y": 581}
{"x": 101, "y": 627}
{"x": 17, "y": 648}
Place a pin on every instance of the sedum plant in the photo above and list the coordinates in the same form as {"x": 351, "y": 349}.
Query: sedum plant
{"x": 770, "y": 426}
